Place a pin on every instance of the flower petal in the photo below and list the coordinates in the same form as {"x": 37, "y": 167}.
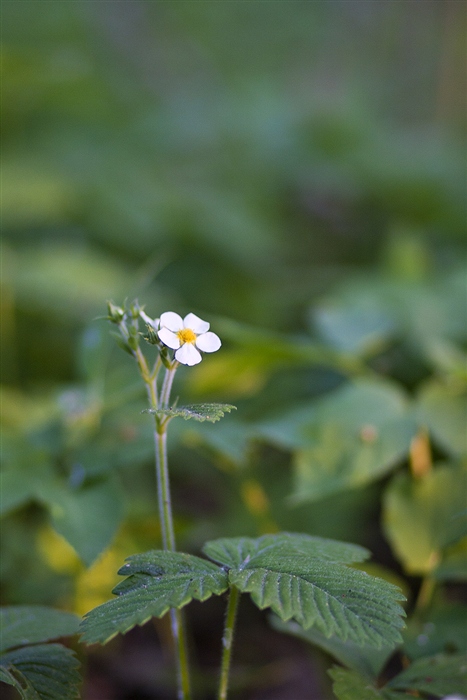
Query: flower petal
{"x": 188, "y": 355}
{"x": 168, "y": 338}
{"x": 196, "y": 323}
{"x": 153, "y": 322}
{"x": 172, "y": 321}
{"x": 208, "y": 342}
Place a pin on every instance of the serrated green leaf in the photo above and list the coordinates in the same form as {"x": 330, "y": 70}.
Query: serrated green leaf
{"x": 366, "y": 660}
{"x": 28, "y": 624}
{"x": 157, "y": 582}
{"x": 423, "y": 516}
{"x": 235, "y": 552}
{"x": 211, "y": 412}
{"x": 350, "y": 685}
{"x": 50, "y": 669}
{"x": 298, "y": 578}
{"x": 15, "y": 678}
{"x": 437, "y": 675}
{"x": 5, "y": 677}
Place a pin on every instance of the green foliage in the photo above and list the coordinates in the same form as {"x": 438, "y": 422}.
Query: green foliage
{"x": 38, "y": 671}
{"x": 304, "y": 578}
{"x": 437, "y": 675}
{"x": 156, "y": 582}
{"x": 297, "y": 576}
{"x": 346, "y": 439}
{"x": 42, "y": 672}
{"x": 366, "y": 660}
{"x": 29, "y": 624}
{"x": 350, "y": 685}
{"x": 442, "y": 408}
{"x": 201, "y": 412}
{"x": 87, "y": 517}
{"x": 440, "y": 630}
{"x": 423, "y": 516}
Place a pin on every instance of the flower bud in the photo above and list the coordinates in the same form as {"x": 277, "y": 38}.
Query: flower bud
{"x": 115, "y": 313}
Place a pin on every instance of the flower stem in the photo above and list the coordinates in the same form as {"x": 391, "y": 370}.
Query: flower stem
{"x": 168, "y": 542}
{"x": 227, "y": 641}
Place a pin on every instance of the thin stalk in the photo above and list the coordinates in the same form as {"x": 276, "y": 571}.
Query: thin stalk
{"x": 227, "y": 641}
{"x": 425, "y": 593}
{"x": 167, "y": 386}
{"x": 168, "y": 541}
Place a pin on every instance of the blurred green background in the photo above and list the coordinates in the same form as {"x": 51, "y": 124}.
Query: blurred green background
{"x": 294, "y": 172}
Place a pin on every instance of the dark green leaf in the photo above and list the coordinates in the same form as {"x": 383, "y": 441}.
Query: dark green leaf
{"x": 87, "y": 517}
{"x": 454, "y": 563}
{"x": 235, "y": 552}
{"x": 211, "y": 412}
{"x": 443, "y": 629}
{"x": 29, "y": 624}
{"x": 438, "y": 675}
{"x": 157, "y": 581}
{"x": 423, "y": 516}
{"x": 350, "y": 685}
{"x": 366, "y": 660}
{"x": 298, "y": 578}
{"x": 50, "y": 669}
{"x": 350, "y": 437}
{"x": 442, "y": 408}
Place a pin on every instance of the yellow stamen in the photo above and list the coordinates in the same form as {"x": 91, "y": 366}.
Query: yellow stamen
{"x": 186, "y": 335}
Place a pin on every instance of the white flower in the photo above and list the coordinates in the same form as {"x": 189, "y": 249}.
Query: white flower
{"x": 187, "y": 336}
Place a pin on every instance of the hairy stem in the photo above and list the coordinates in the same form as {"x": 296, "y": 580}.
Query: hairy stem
{"x": 227, "y": 641}
{"x": 168, "y": 541}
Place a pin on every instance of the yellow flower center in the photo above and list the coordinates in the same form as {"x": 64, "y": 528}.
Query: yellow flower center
{"x": 186, "y": 335}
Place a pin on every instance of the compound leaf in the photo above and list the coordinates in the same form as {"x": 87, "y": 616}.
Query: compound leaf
{"x": 304, "y": 579}
{"x": 157, "y": 581}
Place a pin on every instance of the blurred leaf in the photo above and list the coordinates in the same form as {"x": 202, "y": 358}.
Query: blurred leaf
{"x": 359, "y": 326}
{"x": 157, "y": 581}
{"x": 50, "y": 671}
{"x": 366, "y": 660}
{"x": 454, "y": 563}
{"x": 348, "y": 438}
{"x": 442, "y": 629}
{"x": 350, "y": 685}
{"x": 211, "y": 412}
{"x": 442, "y": 408}
{"x": 303, "y": 578}
{"x": 29, "y": 624}
{"x": 67, "y": 280}
{"x": 439, "y": 675}
{"x": 230, "y": 440}
{"x": 423, "y": 516}
{"x": 88, "y": 517}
